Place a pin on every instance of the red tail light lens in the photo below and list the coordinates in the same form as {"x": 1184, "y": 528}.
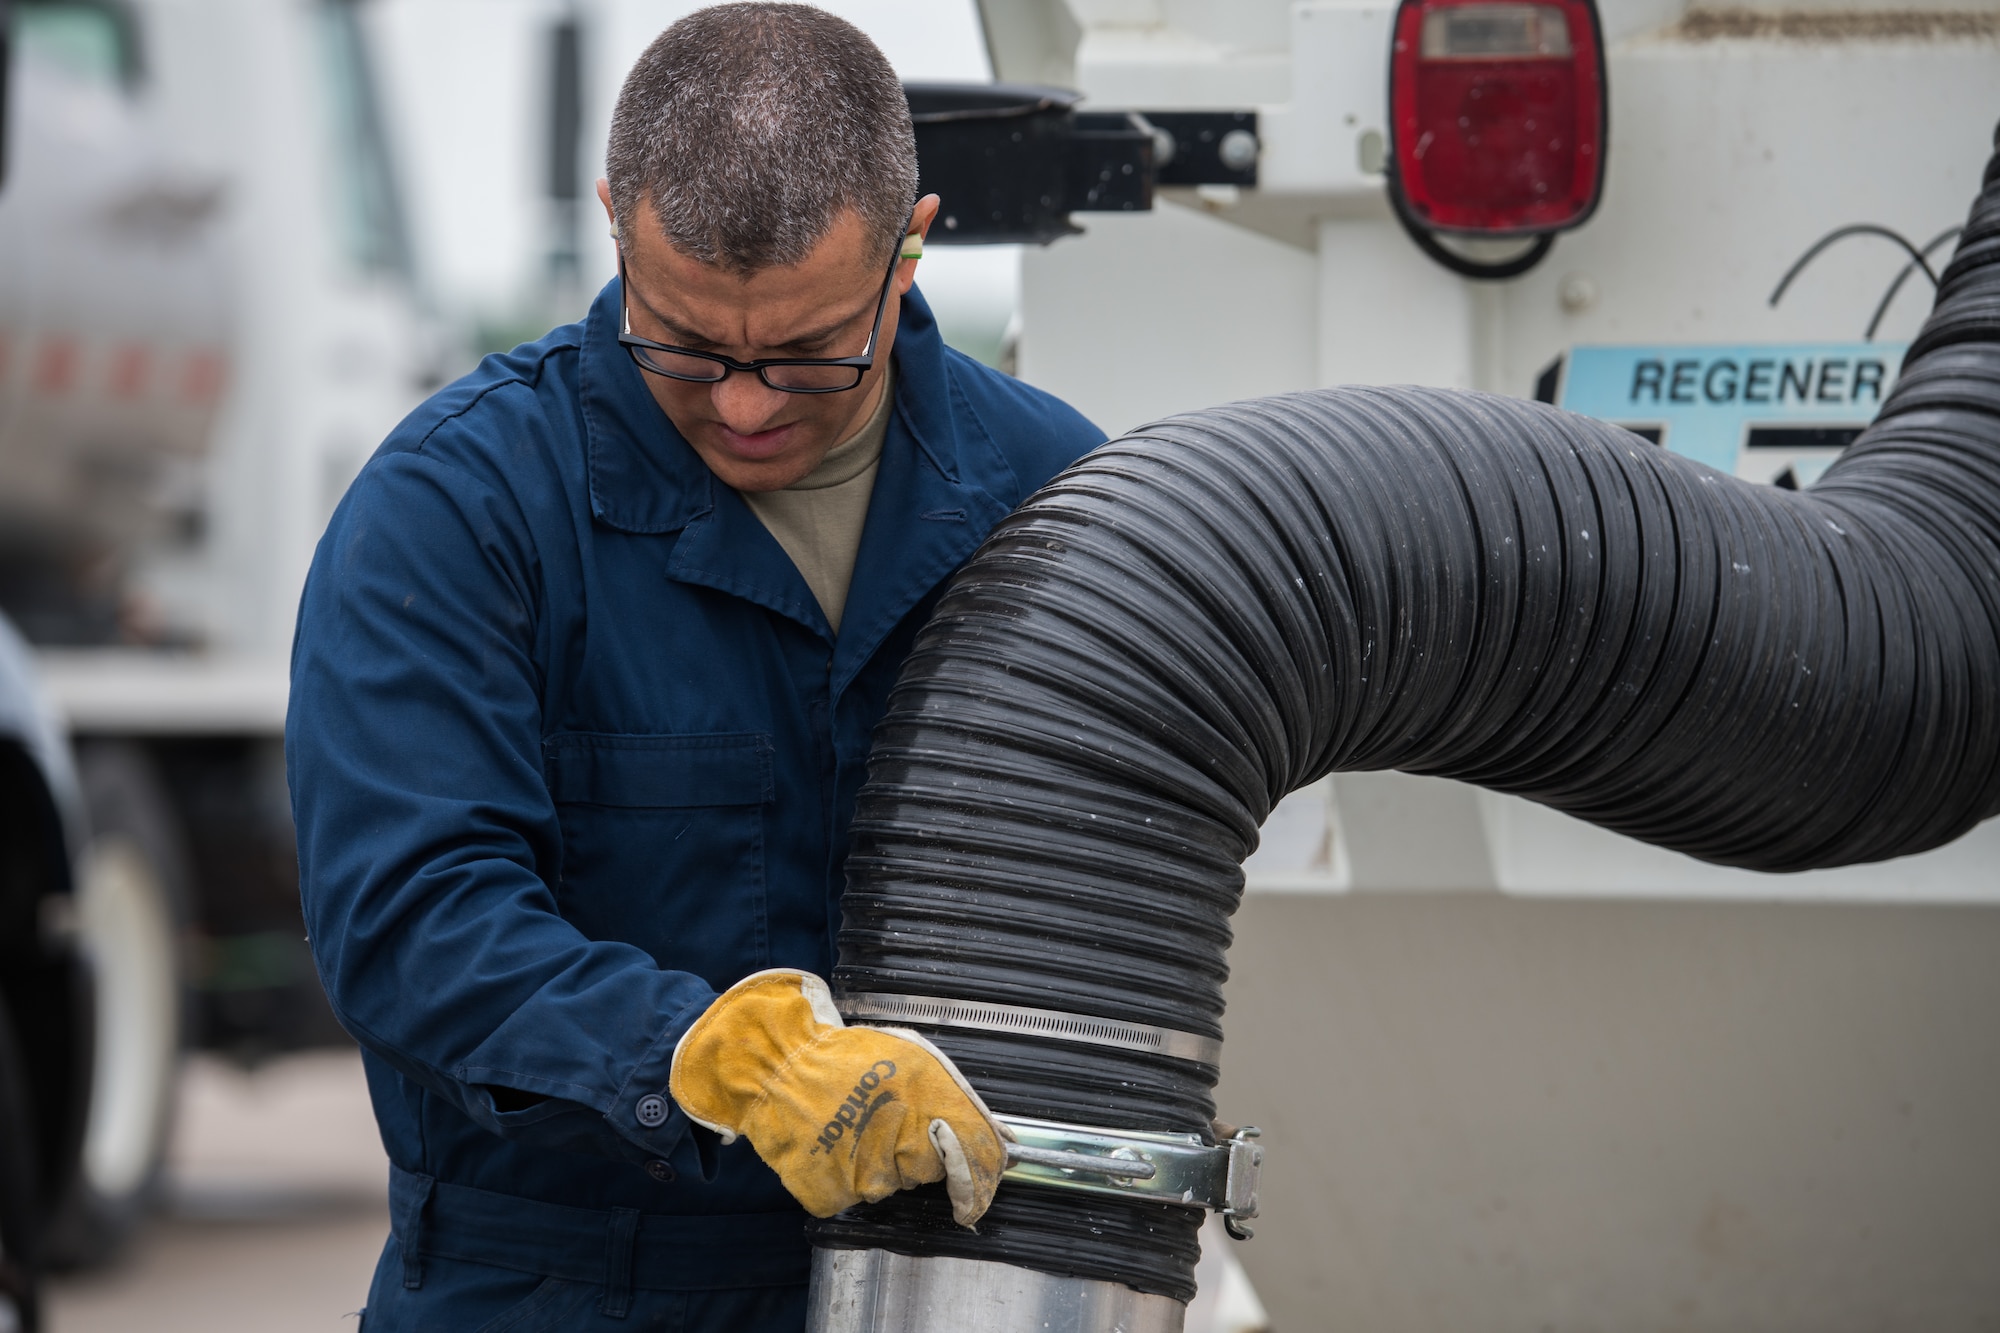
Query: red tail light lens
{"x": 1497, "y": 113}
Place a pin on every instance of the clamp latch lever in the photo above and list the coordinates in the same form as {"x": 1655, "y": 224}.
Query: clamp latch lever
{"x": 1181, "y": 1169}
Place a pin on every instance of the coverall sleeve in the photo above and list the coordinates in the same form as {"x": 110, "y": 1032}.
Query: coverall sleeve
{"x": 428, "y": 839}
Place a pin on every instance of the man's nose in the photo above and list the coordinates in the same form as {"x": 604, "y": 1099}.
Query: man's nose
{"x": 745, "y": 403}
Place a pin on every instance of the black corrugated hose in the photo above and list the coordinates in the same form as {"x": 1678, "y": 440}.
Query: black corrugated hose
{"x": 1219, "y": 608}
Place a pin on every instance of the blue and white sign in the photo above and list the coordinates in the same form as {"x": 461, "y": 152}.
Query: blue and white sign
{"x": 1762, "y": 411}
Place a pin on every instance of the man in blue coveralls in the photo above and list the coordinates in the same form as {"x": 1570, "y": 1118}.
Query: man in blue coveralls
{"x": 582, "y": 690}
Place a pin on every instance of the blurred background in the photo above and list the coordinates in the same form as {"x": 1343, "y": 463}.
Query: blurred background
{"x": 238, "y": 241}
{"x": 1519, "y": 1072}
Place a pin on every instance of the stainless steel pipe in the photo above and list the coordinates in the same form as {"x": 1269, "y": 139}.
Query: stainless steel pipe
{"x": 875, "y": 1291}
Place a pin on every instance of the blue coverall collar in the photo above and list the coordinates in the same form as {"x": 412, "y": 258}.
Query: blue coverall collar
{"x": 644, "y": 477}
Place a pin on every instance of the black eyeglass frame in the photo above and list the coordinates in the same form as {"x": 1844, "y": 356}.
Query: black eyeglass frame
{"x": 636, "y": 346}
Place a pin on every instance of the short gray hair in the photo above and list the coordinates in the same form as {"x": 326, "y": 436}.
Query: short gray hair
{"x": 751, "y": 127}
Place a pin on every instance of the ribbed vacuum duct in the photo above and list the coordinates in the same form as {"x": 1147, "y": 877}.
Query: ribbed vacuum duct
{"x": 1222, "y": 607}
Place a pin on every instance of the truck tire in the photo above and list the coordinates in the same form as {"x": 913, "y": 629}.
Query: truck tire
{"x": 131, "y": 891}
{"x": 19, "y": 1261}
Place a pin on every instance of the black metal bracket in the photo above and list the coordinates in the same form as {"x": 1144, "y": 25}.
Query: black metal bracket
{"x": 1204, "y": 147}
{"x": 1011, "y": 162}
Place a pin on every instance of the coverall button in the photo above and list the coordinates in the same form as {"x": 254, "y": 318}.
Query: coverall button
{"x": 652, "y": 1110}
{"x": 659, "y": 1170}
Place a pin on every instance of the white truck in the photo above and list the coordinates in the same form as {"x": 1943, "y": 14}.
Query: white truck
{"x": 1521, "y": 1073}
{"x": 207, "y": 321}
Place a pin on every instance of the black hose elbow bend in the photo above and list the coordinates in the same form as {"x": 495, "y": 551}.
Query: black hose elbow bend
{"x": 1221, "y": 607}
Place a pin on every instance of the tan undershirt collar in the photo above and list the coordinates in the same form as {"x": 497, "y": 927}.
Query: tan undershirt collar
{"x": 818, "y": 519}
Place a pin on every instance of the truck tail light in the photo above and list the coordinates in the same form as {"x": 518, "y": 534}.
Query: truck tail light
{"x": 1497, "y": 113}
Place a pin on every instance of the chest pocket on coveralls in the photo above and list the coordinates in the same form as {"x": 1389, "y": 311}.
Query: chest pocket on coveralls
{"x": 663, "y": 844}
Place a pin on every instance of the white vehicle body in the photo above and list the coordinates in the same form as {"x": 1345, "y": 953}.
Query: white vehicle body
{"x": 1516, "y": 1072}
{"x": 207, "y": 323}
{"x": 252, "y": 129}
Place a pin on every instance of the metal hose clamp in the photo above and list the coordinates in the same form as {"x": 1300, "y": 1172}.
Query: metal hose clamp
{"x": 1167, "y": 1168}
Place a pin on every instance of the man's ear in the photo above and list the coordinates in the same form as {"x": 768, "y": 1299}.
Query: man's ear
{"x": 926, "y": 213}
{"x": 920, "y": 222}
{"x": 604, "y": 197}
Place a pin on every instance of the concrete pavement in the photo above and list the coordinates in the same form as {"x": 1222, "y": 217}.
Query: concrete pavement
{"x": 277, "y": 1188}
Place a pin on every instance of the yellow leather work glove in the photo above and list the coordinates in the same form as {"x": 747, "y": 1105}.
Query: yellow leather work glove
{"x": 843, "y": 1115}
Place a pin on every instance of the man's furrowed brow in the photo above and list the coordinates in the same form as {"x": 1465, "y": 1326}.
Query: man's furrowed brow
{"x": 674, "y": 329}
{"x": 819, "y": 337}
{"x": 810, "y": 341}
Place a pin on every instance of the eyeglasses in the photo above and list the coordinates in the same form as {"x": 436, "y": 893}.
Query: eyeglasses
{"x": 783, "y": 373}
